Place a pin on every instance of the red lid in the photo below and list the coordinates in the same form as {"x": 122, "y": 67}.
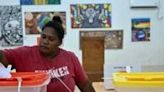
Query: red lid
{"x": 28, "y": 79}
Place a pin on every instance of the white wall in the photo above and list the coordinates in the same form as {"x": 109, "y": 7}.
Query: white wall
{"x": 133, "y": 53}
{"x": 138, "y": 52}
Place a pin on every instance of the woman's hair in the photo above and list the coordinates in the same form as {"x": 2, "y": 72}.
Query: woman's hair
{"x": 56, "y": 24}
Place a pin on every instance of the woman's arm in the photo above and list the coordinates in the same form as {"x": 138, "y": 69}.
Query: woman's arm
{"x": 3, "y": 58}
{"x": 87, "y": 87}
{"x": 81, "y": 78}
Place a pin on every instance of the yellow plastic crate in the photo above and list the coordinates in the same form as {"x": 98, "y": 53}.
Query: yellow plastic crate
{"x": 139, "y": 82}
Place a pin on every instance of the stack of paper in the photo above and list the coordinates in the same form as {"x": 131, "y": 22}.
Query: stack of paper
{"x": 4, "y": 72}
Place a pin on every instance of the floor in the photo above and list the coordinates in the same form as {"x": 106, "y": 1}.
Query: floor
{"x": 98, "y": 87}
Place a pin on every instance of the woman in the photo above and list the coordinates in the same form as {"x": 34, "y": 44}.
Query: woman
{"x": 63, "y": 66}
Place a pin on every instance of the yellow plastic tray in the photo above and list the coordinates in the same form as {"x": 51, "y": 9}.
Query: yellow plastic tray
{"x": 139, "y": 79}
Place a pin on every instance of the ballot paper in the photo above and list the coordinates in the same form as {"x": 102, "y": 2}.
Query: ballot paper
{"x": 4, "y": 72}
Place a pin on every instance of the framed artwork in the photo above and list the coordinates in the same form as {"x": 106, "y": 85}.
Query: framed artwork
{"x": 140, "y": 29}
{"x": 113, "y": 38}
{"x": 11, "y": 33}
{"x": 34, "y": 21}
{"x": 39, "y": 2}
{"x": 90, "y": 15}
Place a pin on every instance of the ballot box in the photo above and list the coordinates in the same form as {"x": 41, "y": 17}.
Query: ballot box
{"x": 25, "y": 82}
{"x": 139, "y": 82}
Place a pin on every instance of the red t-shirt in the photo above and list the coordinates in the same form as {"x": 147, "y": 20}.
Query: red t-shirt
{"x": 65, "y": 66}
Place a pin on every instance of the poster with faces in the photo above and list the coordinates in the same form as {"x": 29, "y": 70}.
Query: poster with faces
{"x": 11, "y": 33}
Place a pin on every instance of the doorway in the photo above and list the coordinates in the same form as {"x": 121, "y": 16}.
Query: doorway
{"x": 93, "y": 57}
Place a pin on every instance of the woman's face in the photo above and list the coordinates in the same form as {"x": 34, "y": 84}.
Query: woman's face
{"x": 49, "y": 42}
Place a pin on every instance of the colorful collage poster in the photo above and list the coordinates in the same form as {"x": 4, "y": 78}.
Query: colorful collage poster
{"x": 39, "y": 2}
{"x": 90, "y": 15}
{"x": 140, "y": 29}
{"x": 11, "y": 33}
{"x": 34, "y": 21}
{"x": 113, "y": 39}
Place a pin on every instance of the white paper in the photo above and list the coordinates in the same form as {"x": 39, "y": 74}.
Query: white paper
{"x": 4, "y": 72}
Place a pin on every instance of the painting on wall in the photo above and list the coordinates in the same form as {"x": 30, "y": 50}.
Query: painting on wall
{"x": 90, "y": 15}
{"x": 11, "y": 33}
{"x": 113, "y": 38}
{"x": 39, "y": 2}
{"x": 34, "y": 21}
{"x": 140, "y": 29}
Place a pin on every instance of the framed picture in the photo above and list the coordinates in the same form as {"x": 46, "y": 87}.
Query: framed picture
{"x": 39, "y": 2}
{"x": 140, "y": 29}
{"x": 90, "y": 15}
{"x": 113, "y": 38}
{"x": 34, "y": 21}
{"x": 11, "y": 33}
